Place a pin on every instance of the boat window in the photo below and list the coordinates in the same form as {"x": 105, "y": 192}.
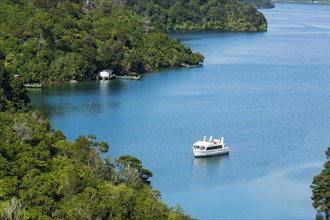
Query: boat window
{"x": 214, "y": 147}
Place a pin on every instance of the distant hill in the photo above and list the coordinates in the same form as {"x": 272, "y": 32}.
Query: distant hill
{"x": 305, "y": 1}
{"x": 259, "y": 3}
{"x": 222, "y": 15}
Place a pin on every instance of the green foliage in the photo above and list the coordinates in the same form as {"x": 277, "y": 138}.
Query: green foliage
{"x": 223, "y": 15}
{"x": 321, "y": 188}
{"x": 44, "y": 176}
{"x": 130, "y": 170}
{"x": 62, "y": 40}
{"x": 13, "y": 95}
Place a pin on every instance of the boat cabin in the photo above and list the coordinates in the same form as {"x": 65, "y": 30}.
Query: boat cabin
{"x": 211, "y": 144}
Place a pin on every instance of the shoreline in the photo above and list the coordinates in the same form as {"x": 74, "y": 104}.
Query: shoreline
{"x": 125, "y": 76}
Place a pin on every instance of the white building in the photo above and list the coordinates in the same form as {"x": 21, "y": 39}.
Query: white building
{"x": 106, "y": 74}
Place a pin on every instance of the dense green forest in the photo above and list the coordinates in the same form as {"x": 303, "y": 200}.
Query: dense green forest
{"x": 44, "y": 176}
{"x": 222, "y": 15}
{"x": 46, "y": 40}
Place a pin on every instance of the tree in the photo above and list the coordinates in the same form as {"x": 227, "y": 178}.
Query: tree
{"x": 13, "y": 210}
{"x": 13, "y": 94}
{"x": 131, "y": 170}
{"x": 321, "y": 188}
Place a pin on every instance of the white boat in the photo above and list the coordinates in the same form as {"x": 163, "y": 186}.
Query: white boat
{"x": 211, "y": 147}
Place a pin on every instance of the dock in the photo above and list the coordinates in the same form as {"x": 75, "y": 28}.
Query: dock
{"x": 133, "y": 77}
{"x": 190, "y": 66}
{"x": 33, "y": 85}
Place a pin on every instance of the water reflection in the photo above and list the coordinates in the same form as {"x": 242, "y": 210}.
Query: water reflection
{"x": 85, "y": 108}
{"x": 63, "y": 88}
{"x": 206, "y": 170}
{"x": 104, "y": 85}
{"x": 87, "y": 98}
{"x": 116, "y": 86}
{"x": 206, "y": 162}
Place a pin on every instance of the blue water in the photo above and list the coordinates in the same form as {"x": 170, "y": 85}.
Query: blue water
{"x": 266, "y": 93}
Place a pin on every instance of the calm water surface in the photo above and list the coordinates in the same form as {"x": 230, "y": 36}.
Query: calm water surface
{"x": 266, "y": 93}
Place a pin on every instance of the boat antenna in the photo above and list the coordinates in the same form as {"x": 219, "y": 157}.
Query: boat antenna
{"x": 204, "y": 138}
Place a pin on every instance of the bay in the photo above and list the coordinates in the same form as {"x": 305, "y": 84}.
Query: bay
{"x": 266, "y": 93}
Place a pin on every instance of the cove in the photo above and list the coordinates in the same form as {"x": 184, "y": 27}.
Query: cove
{"x": 266, "y": 93}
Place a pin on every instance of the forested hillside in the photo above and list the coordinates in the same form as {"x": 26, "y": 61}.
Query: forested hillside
{"x": 44, "y": 176}
{"x": 222, "y": 15}
{"x": 46, "y": 40}
{"x": 63, "y": 40}
{"x": 260, "y": 3}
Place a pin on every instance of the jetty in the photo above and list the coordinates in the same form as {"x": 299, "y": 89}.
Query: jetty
{"x": 33, "y": 85}
{"x": 190, "y": 66}
{"x": 133, "y": 77}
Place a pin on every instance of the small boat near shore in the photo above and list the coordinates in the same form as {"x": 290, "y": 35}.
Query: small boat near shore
{"x": 211, "y": 147}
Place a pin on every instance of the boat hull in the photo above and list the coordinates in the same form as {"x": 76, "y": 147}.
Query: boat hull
{"x": 209, "y": 153}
